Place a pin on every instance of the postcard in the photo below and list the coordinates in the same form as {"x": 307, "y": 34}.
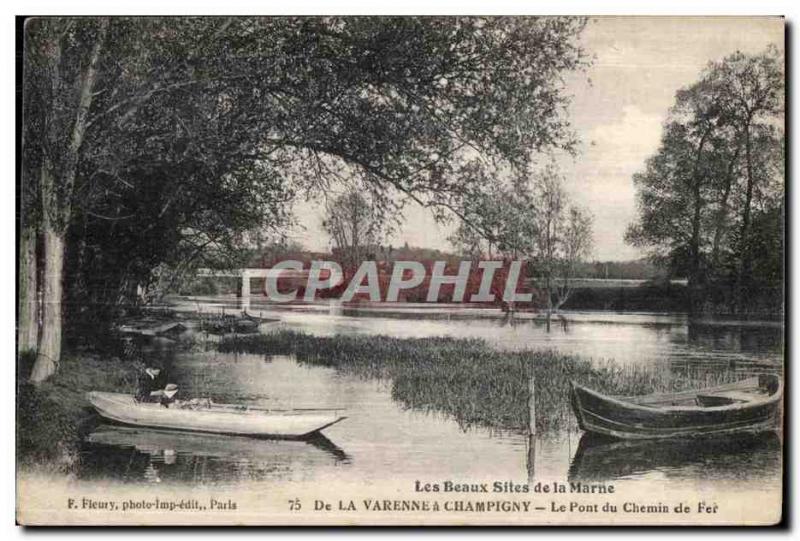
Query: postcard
{"x": 461, "y": 270}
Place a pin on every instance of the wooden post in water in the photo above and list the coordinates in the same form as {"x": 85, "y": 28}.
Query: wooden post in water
{"x": 531, "y": 458}
{"x": 245, "y": 297}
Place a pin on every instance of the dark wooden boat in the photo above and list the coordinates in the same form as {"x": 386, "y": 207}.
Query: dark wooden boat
{"x": 751, "y": 404}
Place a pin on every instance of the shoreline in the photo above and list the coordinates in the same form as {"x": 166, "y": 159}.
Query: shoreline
{"x": 492, "y": 387}
{"x": 462, "y": 311}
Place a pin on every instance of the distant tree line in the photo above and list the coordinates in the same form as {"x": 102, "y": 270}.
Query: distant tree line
{"x": 637, "y": 269}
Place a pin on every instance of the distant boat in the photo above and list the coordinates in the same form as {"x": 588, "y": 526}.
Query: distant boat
{"x": 231, "y": 324}
{"x": 216, "y": 418}
{"x": 168, "y": 330}
{"x": 751, "y": 404}
{"x": 259, "y": 319}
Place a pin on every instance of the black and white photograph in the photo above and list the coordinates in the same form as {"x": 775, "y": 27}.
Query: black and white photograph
{"x": 403, "y": 270}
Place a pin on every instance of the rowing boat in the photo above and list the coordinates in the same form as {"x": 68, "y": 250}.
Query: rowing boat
{"x": 216, "y": 418}
{"x": 751, "y": 404}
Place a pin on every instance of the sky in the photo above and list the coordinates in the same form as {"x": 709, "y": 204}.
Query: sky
{"x": 617, "y": 111}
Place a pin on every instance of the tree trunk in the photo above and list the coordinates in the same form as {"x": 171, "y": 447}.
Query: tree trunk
{"x": 722, "y": 214}
{"x": 695, "y": 277}
{"x": 56, "y": 189}
{"x": 28, "y": 291}
{"x": 50, "y": 341}
{"x": 695, "y": 292}
{"x": 744, "y": 262}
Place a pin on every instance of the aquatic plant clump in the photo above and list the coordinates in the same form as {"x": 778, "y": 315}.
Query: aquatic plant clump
{"x": 469, "y": 380}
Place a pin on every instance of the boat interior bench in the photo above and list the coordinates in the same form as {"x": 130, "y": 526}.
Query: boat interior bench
{"x": 724, "y": 398}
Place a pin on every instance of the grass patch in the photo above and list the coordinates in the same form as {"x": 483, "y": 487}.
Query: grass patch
{"x": 472, "y": 382}
{"x": 50, "y": 415}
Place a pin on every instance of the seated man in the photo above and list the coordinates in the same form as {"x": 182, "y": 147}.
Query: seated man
{"x": 151, "y": 382}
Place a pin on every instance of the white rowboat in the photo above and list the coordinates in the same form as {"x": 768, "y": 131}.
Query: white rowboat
{"x": 216, "y": 418}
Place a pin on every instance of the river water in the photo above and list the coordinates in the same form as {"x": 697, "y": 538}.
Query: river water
{"x": 381, "y": 439}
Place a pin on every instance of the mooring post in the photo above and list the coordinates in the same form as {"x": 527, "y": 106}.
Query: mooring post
{"x": 531, "y": 459}
{"x": 245, "y": 302}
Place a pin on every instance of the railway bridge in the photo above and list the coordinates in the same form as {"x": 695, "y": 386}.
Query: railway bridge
{"x": 245, "y": 275}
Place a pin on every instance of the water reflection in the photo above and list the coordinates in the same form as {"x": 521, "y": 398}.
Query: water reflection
{"x": 743, "y": 456}
{"x": 385, "y": 437}
{"x": 381, "y": 437}
{"x": 745, "y": 338}
{"x": 621, "y": 337}
{"x": 150, "y": 455}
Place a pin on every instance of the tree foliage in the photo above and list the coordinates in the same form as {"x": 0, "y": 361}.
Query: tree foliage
{"x": 531, "y": 217}
{"x": 201, "y": 130}
{"x": 564, "y": 238}
{"x": 354, "y": 228}
{"x": 718, "y": 171}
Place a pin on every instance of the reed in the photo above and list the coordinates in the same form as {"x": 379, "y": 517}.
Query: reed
{"x": 472, "y": 382}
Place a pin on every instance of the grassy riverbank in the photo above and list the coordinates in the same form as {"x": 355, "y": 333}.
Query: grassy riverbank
{"x": 469, "y": 380}
{"x": 50, "y": 415}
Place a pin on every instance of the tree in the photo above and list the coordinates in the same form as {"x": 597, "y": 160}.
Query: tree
{"x": 353, "y": 226}
{"x": 531, "y": 216}
{"x": 497, "y": 221}
{"x": 161, "y": 140}
{"x": 577, "y": 241}
{"x": 673, "y": 195}
{"x": 63, "y": 124}
{"x": 28, "y": 308}
{"x": 563, "y": 239}
{"x": 716, "y": 159}
{"x": 751, "y": 90}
